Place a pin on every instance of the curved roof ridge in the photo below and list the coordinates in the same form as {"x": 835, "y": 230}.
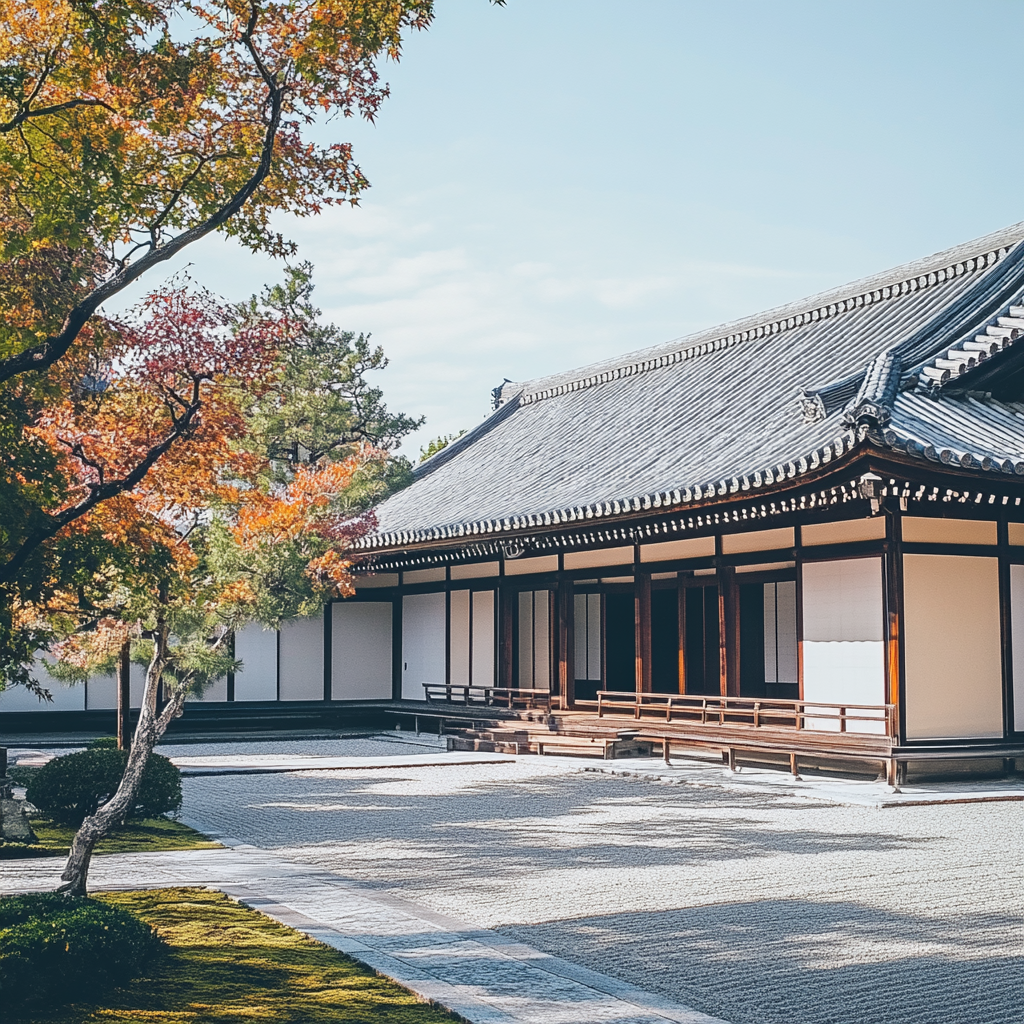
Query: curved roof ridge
{"x": 968, "y": 257}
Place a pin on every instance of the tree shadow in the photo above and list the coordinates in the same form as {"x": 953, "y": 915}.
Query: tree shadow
{"x": 807, "y": 962}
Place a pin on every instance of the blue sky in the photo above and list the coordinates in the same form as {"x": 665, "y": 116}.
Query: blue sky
{"x": 559, "y": 181}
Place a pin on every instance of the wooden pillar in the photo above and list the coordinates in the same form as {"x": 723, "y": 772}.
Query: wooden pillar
{"x": 642, "y": 631}
{"x": 1003, "y": 539}
{"x": 124, "y": 697}
{"x": 894, "y": 660}
{"x": 728, "y": 632}
{"x": 566, "y": 644}
{"x": 681, "y": 605}
{"x": 506, "y": 599}
{"x": 396, "y": 647}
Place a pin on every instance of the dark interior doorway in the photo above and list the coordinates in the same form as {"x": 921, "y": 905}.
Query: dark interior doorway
{"x": 752, "y": 629}
{"x": 702, "y": 656}
{"x": 665, "y": 641}
{"x": 620, "y": 642}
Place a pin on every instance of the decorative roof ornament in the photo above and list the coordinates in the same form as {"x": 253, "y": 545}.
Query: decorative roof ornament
{"x": 812, "y": 406}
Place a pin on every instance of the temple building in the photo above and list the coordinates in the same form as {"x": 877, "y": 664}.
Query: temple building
{"x": 797, "y": 537}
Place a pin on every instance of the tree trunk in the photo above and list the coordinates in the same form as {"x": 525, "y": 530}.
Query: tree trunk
{"x": 150, "y": 728}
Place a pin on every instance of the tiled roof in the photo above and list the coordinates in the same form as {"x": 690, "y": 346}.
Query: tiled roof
{"x": 740, "y": 407}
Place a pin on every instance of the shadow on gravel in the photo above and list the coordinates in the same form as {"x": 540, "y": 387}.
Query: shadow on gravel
{"x": 802, "y": 962}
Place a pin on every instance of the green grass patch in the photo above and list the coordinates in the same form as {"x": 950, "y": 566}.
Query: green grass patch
{"x": 148, "y": 835}
{"x": 226, "y": 964}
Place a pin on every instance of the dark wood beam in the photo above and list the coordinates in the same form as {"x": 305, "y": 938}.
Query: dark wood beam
{"x": 124, "y": 697}
{"x": 642, "y": 628}
{"x": 728, "y": 632}
{"x": 566, "y": 642}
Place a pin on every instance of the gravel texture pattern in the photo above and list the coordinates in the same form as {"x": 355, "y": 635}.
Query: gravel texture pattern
{"x": 753, "y": 907}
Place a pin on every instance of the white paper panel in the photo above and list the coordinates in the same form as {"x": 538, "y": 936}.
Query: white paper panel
{"x": 580, "y": 635}
{"x": 423, "y": 636}
{"x": 785, "y": 608}
{"x": 526, "y": 639}
{"x": 361, "y": 650}
{"x": 843, "y": 600}
{"x": 541, "y": 643}
{"x": 1017, "y": 639}
{"x": 302, "y": 659}
{"x": 771, "y": 669}
{"x": 458, "y": 653}
{"x": 847, "y": 672}
{"x": 256, "y": 648}
{"x": 593, "y": 636}
{"x": 483, "y": 638}
{"x": 952, "y": 647}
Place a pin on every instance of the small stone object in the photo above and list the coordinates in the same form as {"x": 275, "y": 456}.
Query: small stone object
{"x": 13, "y": 823}
{"x": 14, "y": 826}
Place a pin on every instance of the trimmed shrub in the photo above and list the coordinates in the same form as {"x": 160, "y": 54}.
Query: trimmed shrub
{"x": 54, "y": 948}
{"x": 68, "y": 789}
{"x": 103, "y": 743}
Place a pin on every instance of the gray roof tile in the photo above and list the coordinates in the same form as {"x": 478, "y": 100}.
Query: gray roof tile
{"x": 725, "y": 404}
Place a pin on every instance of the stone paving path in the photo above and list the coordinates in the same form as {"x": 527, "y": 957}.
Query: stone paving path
{"x": 472, "y": 971}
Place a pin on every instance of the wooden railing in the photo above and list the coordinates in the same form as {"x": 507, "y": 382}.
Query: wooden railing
{"x": 754, "y": 712}
{"x": 485, "y": 696}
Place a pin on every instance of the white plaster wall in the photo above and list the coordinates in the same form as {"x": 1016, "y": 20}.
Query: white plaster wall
{"x": 302, "y": 659}
{"x": 101, "y": 693}
{"x": 65, "y": 697}
{"x": 1017, "y": 640}
{"x": 458, "y": 651}
{"x": 843, "y": 648}
{"x": 361, "y": 659}
{"x": 423, "y": 653}
{"x": 952, "y": 647}
{"x": 256, "y": 648}
{"x": 483, "y": 638}
{"x": 215, "y": 692}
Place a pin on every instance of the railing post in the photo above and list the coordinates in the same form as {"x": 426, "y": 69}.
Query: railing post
{"x": 842, "y": 719}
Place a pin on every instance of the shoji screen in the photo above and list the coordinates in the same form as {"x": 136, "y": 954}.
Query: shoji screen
{"x": 780, "y": 641}
{"x": 459, "y": 642}
{"x": 952, "y": 647}
{"x": 256, "y": 648}
{"x": 534, "y": 624}
{"x": 587, "y": 631}
{"x": 361, "y": 663}
{"x": 844, "y": 656}
{"x": 423, "y": 653}
{"x": 483, "y": 638}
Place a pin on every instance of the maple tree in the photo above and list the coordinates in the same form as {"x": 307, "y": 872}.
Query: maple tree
{"x": 210, "y": 536}
{"x": 129, "y": 129}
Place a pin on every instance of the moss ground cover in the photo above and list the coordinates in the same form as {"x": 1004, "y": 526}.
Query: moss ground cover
{"x": 148, "y": 835}
{"x": 225, "y": 963}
